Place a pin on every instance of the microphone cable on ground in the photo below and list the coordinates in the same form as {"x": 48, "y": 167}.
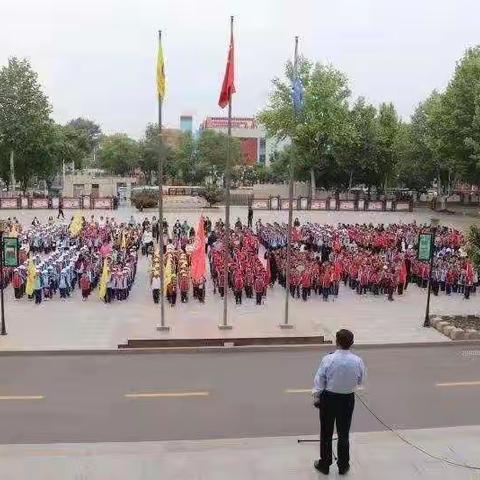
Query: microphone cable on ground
{"x": 413, "y": 445}
{"x": 402, "y": 438}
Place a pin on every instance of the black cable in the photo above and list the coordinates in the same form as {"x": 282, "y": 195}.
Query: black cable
{"x": 408, "y": 442}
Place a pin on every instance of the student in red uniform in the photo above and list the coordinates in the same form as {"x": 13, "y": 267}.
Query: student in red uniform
{"x": 326, "y": 284}
{"x": 259, "y": 288}
{"x": 17, "y": 283}
{"x": 305, "y": 282}
{"x": 238, "y": 286}
{"x": 85, "y": 285}
{"x": 184, "y": 286}
{"x": 249, "y": 279}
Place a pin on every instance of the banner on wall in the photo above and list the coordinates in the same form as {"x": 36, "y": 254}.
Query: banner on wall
{"x": 376, "y": 206}
{"x": 71, "y": 203}
{"x": 332, "y": 204}
{"x": 105, "y": 203}
{"x": 346, "y": 205}
{"x": 389, "y": 205}
{"x": 260, "y": 204}
{"x": 402, "y": 207}
{"x": 285, "y": 204}
{"x": 274, "y": 203}
{"x": 24, "y": 202}
{"x": 39, "y": 202}
{"x": 9, "y": 203}
{"x": 361, "y": 204}
{"x": 318, "y": 205}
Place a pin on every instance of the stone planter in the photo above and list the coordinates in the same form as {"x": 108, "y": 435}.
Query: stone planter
{"x": 457, "y": 327}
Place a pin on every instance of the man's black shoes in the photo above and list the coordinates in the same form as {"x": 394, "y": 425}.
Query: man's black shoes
{"x": 321, "y": 467}
{"x": 343, "y": 470}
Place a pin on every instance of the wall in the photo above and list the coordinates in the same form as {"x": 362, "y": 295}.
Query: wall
{"x": 265, "y": 190}
{"x": 107, "y": 186}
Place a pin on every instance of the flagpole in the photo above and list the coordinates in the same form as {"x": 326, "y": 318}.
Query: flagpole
{"x": 162, "y": 327}
{"x": 285, "y": 323}
{"x": 225, "y": 325}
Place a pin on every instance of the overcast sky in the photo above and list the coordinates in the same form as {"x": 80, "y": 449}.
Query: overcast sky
{"x": 96, "y": 58}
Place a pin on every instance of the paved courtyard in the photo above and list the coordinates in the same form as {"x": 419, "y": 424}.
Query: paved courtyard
{"x": 73, "y": 324}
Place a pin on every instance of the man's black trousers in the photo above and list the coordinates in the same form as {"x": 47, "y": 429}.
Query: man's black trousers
{"x": 335, "y": 408}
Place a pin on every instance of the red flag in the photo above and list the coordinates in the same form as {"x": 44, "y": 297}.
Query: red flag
{"x": 228, "y": 87}
{"x": 403, "y": 273}
{"x": 198, "y": 254}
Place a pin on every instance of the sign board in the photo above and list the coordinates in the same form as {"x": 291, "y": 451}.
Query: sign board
{"x": 24, "y": 202}
{"x": 55, "y": 202}
{"x": 284, "y": 204}
{"x": 39, "y": 202}
{"x": 71, "y": 202}
{"x": 260, "y": 204}
{"x": 332, "y": 204}
{"x": 10, "y": 251}
{"x": 9, "y": 203}
{"x": 425, "y": 246}
{"x": 361, "y": 204}
{"x": 402, "y": 207}
{"x": 274, "y": 203}
{"x": 104, "y": 203}
{"x": 346, "y": 205}
{"x": 375, "y": 206}
{"x": 318, "y": 205}
{"x": 389, "y": 205}
{"x": 86, "y": 202}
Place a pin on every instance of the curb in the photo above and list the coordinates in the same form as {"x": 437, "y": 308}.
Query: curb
{"x": 229, "y": 349}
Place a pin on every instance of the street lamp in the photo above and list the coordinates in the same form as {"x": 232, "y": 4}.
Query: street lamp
{"x": 433, "y": 230}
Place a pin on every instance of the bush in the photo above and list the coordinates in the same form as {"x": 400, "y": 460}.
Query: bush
{"x": 212, "y": 194}
{"x": 143, "y": 200}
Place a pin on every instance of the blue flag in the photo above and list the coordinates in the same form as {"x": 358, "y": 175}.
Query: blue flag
{"x": 297, "y": 94}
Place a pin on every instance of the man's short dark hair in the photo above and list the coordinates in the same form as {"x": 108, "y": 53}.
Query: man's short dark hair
{"x": 344, "y": 339}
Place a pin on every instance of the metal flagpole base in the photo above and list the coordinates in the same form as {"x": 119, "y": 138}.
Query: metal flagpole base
{"x": 225, "y": 327}
{"x": 163, "y": 328}
{"x": 285, "y": 325}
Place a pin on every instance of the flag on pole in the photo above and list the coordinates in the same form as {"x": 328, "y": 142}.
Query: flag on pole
{"x": 168, "y": 274}
{"x": 102, "y": 286}
{"x": 198, "y": 254}
{"x": 228, "y": 86}
{"x": 160, "y": 71}
{"x": 31, "y": 274}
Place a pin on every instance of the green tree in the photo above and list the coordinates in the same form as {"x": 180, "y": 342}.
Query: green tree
{"x": 149, "y": 148}
{"x": 458, "y": 119}
{"x": 88, "y": 129}
{"x": 119, "y": 154}
{"x": 388, "y": 127}
{"x": 322, "y": 126}
{"x": 358, "y": 155}
{"x": 25, "y": 123}
{"x": 190, "y": 169}
{"x": 212, "y": 150}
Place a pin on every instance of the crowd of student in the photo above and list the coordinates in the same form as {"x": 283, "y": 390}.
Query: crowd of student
{"x": 378, "y": 259}
{"x": 55, "y": 259}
